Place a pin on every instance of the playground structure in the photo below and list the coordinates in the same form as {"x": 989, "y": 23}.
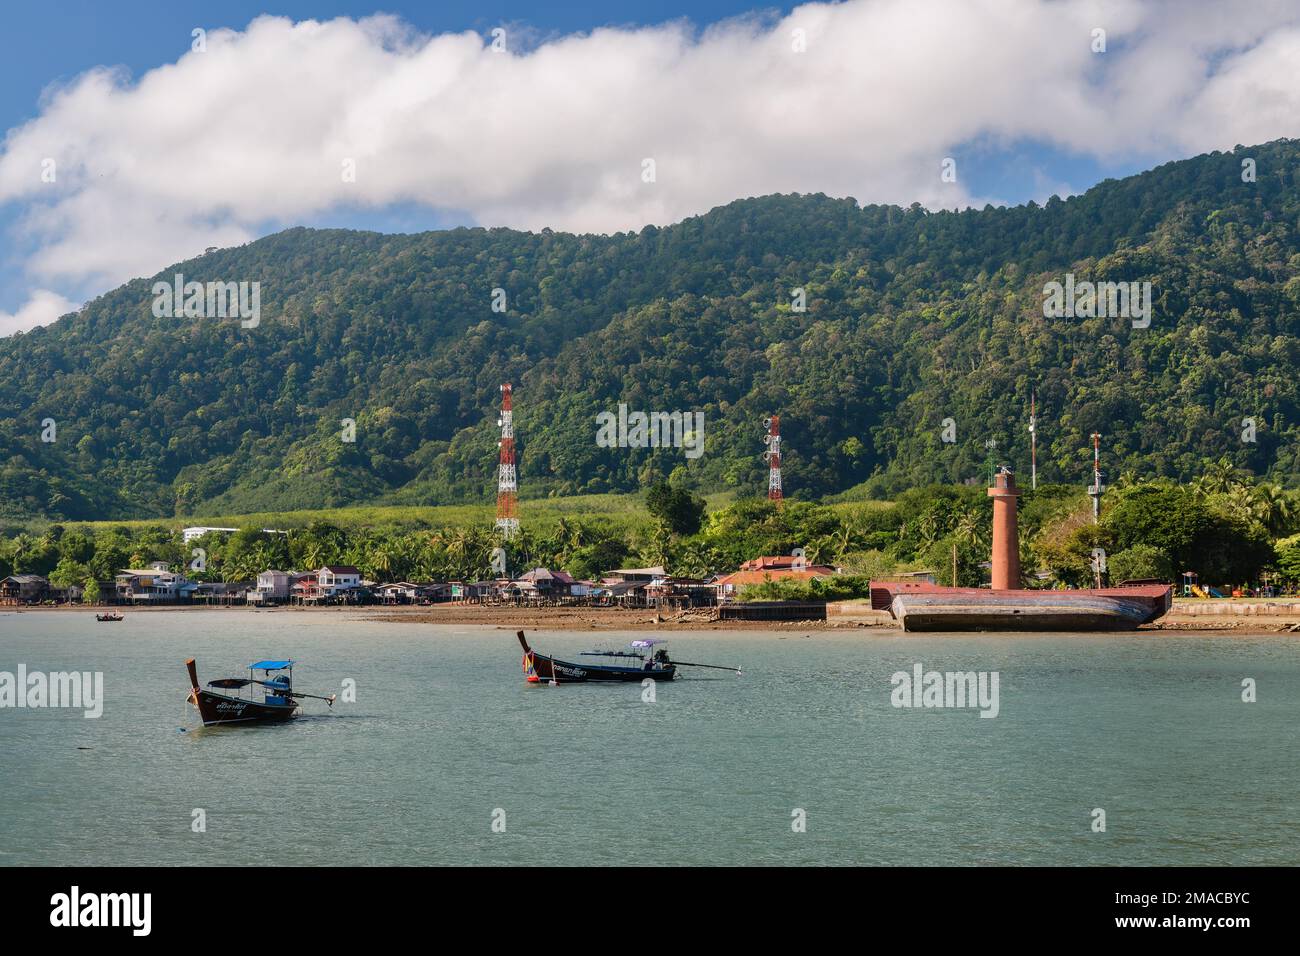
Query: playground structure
{"x": 1192, "y": 588}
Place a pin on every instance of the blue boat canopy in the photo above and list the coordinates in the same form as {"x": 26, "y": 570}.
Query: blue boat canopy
{"x": 270, "y": 665}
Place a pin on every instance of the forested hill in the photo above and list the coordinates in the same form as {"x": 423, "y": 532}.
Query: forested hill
{"x": 912, "y": 317}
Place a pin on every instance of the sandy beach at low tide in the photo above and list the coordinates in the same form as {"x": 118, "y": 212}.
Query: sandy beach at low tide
{"x": 849, "y": 616}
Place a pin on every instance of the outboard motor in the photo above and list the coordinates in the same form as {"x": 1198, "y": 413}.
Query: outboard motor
{"x": 276, "y": 689}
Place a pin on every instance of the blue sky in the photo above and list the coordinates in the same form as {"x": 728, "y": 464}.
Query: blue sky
{"x": 885, "y": 91}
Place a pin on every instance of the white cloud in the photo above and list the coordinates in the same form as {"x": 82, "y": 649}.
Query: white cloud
{"x": 217, "y": 147}
{"x": 42, "y": 308}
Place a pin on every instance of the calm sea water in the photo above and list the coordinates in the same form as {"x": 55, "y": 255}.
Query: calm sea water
{"x": 445, "y": 732}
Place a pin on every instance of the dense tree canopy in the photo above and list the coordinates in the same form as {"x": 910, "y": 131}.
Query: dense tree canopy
{"x": 911, "y": 318}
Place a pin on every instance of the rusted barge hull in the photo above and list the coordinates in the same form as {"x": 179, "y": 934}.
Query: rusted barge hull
{"x": 930, "y": 607}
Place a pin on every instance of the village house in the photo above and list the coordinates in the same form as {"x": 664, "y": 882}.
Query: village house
{"x": 401, "y": 592}
{"x": 434, "y": 592}
{"x": 677, "y": 593}
{"x": 637, "y": 575}
{"x": 624, "y": 593}
{"x": 152, "y": 585}
{"x": 626, "y": 587}
{"x": 586, "y": 590}
{"x": 476, "y": 591}
{"x": 331, "y": 584}
{"x": 198, "y": 531}
{"x": 221, "y": 592}
{"x": 24, "y": 589}
{"x": 72, "y": 594}
{"x": 334, "y": 579}
{"x": 768, "y": 568}
{"x": 193, "y": 533}
{"x": 541, "y": 584}
{"x": 303, "y": 587}
{"x": 272, "y": 588}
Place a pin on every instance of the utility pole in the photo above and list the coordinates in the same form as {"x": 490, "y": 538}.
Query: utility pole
{"x": 1096, "y": 488}
{"x": 1033, "y": 440}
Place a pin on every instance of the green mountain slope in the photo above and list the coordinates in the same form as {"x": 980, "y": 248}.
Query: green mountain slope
{"x": 912, "y": 317}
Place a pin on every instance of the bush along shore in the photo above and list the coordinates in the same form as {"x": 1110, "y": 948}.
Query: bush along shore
{"x": 1226, "y": 532}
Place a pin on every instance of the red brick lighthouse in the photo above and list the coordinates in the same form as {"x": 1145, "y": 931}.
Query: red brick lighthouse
{"x": 1006, "y": 540}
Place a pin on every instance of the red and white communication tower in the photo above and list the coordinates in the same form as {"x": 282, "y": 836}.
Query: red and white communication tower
{"x": 507, "y": 484}
{"x": 773, "y": 457}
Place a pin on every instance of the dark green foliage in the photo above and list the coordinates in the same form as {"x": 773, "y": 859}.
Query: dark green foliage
{"x": 1141, "y": 562}
{"x": 1193, "y": 534}
{"x": 838, "y": 588}
{"x": 1288, "y": 559}
{"x": 676, "y": 509}
{"x": 912, "y": 317}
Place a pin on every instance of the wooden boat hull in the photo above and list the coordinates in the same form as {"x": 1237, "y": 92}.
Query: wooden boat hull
{"x": 546, "y": 669}
{"x": 928, "y": 607}
{"x": 540, "y": 668}
{"x": 217, "y": 708}
{"x": 222, "y": 709}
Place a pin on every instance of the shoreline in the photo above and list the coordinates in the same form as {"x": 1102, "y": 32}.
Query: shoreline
{"x": 848, "y": 616}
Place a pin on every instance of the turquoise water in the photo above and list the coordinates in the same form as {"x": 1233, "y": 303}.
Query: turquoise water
{"x": 444, "y": 732}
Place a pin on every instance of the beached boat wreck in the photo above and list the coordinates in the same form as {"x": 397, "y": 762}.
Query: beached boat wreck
{"x": 921, "y": 606}
{"x": 930, "y": 607}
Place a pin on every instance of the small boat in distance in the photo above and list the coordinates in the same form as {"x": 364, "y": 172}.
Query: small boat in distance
{"x": 279, "y": 701}
{"x": 650, "y": 656}
{"x": 111, "y": 616}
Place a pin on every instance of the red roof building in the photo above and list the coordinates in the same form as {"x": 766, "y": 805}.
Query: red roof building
{"x": 768, "y": 568}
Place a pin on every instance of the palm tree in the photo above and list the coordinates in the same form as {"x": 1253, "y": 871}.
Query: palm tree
{"x": 458, "y": 544}
{"x": 314, "y": 552}
{"x": 1271, "y": 507}
{"x": 928, "y": 528}
{"x": 1240, "y": 499}
{"x": 381, "y": 560}
{"x": 847, "y": 537}
{"x": 971, "y": 528}
{"x": 1218, "y": 477}
{"x": 23, "y": 544}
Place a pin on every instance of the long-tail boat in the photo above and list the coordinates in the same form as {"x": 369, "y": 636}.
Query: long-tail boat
{"x": 650, "y": 657}
{"x": 279, "y": 701}
{"x": 110, "y": 616}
